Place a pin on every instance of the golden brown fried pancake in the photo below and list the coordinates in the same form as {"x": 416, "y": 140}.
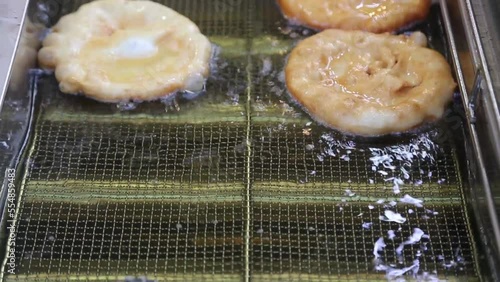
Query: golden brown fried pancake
{"x": 369, "y": 84}
{"x": 118, "y": 50}
{"x": 368, "y": 15}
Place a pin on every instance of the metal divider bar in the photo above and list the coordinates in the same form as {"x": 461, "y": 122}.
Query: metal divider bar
{"x": 248, "y": 157}
{"x": 454, "y": 53}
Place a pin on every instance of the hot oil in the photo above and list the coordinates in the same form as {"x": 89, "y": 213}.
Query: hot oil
{"x": 162, "y": 187}
{"x": 321, "y": 166}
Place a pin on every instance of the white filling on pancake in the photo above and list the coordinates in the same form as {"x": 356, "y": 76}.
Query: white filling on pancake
{"x": 135, "y": 47}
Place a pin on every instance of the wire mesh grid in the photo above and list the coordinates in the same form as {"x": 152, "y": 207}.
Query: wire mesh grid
{"x": 317, "y": 242}
{"x": 214, "y": 18}
{"x": 152, "y": 153}
{"x": 318, "y": 217}
{"x": 166, "y": 195}
{"x": 112, "y": 240}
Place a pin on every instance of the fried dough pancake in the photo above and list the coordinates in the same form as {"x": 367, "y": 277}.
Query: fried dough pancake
{"x": 119, "y": 50}
{"x": 368, "y": 15}
{"x": 369, "y": 84}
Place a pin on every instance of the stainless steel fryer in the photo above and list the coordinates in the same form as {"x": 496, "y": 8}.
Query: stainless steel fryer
{"x": 239, "y": 184}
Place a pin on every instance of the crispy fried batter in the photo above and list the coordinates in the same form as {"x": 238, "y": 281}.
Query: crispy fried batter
{"x": 118, "y": 50}
{"x": 369, "y": 84}
{"x": 369, "y": 15}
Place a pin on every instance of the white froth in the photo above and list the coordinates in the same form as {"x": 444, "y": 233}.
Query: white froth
{"x": 417, "y": 235}
{"x": 396, "y": 189}
{"x": 379, "y": 246}
{"x": 391, "y": 216}
{"x": 367, "y": 225}
{"x": 410, "y": 200}
{"x": 349, "y": 193}
{"x": 391, "y": 234}
{"x": 135, "y": 47}
{"x": 392, "y": 273}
